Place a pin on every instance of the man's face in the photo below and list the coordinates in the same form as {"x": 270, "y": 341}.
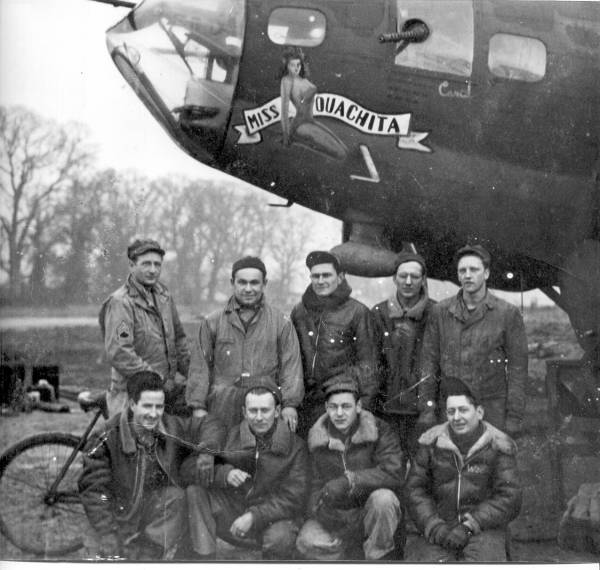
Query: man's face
{"x": 409, "y": 279}
{"x": 472, "y": 274}
{"x": 260, "y": 411}
{"x": 146, "y": 268}
{"x": 248, "y": 285}
{"x": 148, "y": 410}
{"x": 463, "y": 416}
{"x": 325, "y": 279}
{"x": 343, "y": 410}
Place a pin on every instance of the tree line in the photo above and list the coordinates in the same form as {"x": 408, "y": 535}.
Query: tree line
{"x": 66, "y": 224}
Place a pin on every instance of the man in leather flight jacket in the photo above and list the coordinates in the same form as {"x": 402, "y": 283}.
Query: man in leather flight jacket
{"x": 463, "y": 488}
{"x": 131, "y": 486}
{"x": 335, "y": 333}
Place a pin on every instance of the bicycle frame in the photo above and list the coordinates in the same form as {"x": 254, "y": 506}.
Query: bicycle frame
{"x": 52, "y": 496}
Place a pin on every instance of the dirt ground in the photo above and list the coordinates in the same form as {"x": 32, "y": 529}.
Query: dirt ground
{"x": 78, "y": 351}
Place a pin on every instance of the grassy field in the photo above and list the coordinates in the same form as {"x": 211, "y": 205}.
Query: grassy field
{"x": 78, "y": 351}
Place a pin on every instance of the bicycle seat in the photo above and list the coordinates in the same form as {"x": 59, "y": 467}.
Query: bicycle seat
{"x": 88, "y": 401}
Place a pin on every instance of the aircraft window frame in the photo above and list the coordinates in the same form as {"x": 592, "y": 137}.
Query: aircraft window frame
{"x": 280, "y": 36}
{"x": 517, "y": 72}
{"x": 450, "y": 49}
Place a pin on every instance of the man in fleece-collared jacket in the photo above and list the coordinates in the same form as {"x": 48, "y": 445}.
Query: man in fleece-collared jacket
{"x": 463, "y": 488}
{"x": 358, "y": 470}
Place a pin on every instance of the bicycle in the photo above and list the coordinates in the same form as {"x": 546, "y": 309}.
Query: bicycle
{"x": 40, "y": 509}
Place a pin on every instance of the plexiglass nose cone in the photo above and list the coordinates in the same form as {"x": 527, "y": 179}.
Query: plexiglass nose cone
{"x": 181, "y": 57}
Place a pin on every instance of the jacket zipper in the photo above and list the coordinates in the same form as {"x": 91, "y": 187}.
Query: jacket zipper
{"x": 458, "y": 488}
{"x": 256, "y": 456}
{"x": 138, "y": 487}
{"x": 312, "y": 372}
{"x": 460, "y": 480}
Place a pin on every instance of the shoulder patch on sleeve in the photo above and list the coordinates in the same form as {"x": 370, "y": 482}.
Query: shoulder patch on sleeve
{"x": 123, "y": 331}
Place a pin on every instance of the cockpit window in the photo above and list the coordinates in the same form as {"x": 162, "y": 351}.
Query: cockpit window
{"x": 517, "y": 57}
{"x": 182, "y": 58}
{"x": 297, "y": 26}
{"x": 449, "y": 47}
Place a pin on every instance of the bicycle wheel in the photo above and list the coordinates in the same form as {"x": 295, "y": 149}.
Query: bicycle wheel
{"x": 30, "y": 517}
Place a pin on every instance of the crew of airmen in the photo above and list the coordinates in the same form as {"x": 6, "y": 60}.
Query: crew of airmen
{"x": 322, "y": 435}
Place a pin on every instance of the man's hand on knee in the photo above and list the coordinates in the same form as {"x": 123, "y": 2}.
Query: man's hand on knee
{"x": 237, "y": 477}
{"x": 336, "y": 492}
{"x": 205, "y": 473}
{"x": 439, "y": 534}
{"x": 242, "y": 525}
{"x": 458, "y": 537}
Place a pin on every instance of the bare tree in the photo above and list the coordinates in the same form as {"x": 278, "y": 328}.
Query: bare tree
{"x": 37, "y": 159}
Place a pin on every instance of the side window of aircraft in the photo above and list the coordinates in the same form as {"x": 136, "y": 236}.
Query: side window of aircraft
{"x": 297, "y": 26}
{"x": 517, "y": 57}
{"x": 449, "y": 47}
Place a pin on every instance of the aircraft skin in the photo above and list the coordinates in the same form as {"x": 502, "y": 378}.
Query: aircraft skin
{"x": 401, "y": 144}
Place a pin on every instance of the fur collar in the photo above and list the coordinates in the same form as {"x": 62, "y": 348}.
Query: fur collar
{"x": 440, "y": 437}
{"x": 319, "y": 436}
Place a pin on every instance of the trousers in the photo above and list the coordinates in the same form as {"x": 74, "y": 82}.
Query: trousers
{"x": 211, "y": 514}
{"x": 487, "y": 546}
{"x": 380, "y": 518}
{"x": 155, "y": 533}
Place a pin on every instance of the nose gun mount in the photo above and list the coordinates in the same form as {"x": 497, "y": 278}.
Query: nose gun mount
{"x": 413, "y": 31}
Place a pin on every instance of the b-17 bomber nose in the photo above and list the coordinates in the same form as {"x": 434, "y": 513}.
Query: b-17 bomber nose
{"x": 181, "y": 57}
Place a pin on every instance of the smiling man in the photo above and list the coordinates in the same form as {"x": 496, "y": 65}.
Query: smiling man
{"x": 131, "y": 486}
{"x": 258, "y": 494}
{"x": 399, "y": 329}
{"x": 335, "y": 333}
{"x": 357, "y": 472}
{"x": 142, "y": 330}
{"x": 247, "y": 339}
{"x": 462, "y": 489}
{"x": 480, "y": 339}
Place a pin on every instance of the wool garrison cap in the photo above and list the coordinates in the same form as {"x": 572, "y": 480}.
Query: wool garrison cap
{"x": 341, "y": 383}
{"x": 406, "y": 256}
{"x": 450, "y": 386}
{"x": 477, "y": 250}
{"x": 317, "y": 257}
{"x": 263, "y": 382}
{"x": 248, "y": 262}
{"x": 141, "y": 246}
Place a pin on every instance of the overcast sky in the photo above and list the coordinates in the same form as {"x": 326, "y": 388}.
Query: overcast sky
{"x": 53, "y": 59}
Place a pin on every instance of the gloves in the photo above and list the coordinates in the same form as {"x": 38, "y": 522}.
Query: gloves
{"x": 439, "y": 533}
{"x": 336, "y": 492}
{"x": 108, "y": 546}
{"x": 205, "y": 473}
{"x": 457, "y": 538}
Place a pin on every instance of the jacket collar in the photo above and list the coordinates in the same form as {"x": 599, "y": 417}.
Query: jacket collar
{"x": 499, "y": 441}
{"x": 315, "y": 303}
{"x": 280, "y": 442}
{"x": 457, "y": 306}
{"x": 319, "y": 435}
{"x": 138, "y": 292}
{"x": 128, "y": 443}
{"x": 233, "y": 304}
{"x": 397, "y": 310}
